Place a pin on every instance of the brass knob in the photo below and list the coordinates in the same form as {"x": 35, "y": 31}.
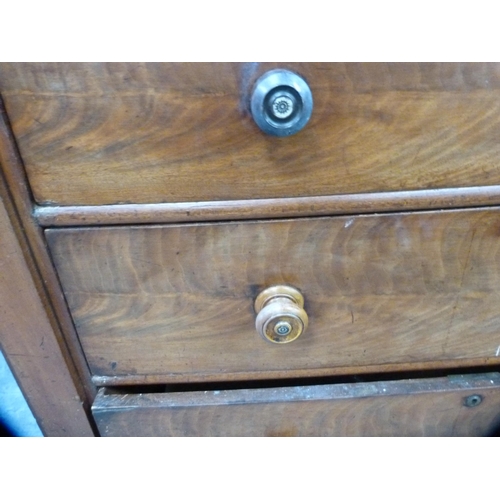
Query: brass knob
{"x": 281, "y": 317}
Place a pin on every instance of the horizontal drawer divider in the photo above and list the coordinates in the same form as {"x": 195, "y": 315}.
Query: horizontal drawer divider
{"x": 344, "y": 204}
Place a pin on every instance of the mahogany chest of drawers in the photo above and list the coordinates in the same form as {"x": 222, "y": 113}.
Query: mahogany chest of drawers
{"x": 151, "y": 214}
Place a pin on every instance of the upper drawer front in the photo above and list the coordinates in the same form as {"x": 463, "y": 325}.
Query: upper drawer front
{"x": 176, "y": 302}
{"x": 93, "y": 134}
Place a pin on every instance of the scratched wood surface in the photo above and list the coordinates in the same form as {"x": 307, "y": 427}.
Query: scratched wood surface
{"x": 175, "y": 303}
{"x": 434, "y": 407}
{"x": 98, "y": 133}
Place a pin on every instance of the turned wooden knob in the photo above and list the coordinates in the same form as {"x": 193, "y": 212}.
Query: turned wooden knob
{"x": 281, "y": 317}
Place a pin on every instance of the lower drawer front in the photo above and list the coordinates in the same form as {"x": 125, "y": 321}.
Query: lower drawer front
{"x": 155, "y": 304}
{"x": 454, "y": 406}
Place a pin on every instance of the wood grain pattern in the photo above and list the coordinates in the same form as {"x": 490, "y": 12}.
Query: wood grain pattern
{"x": 61, "y": 216}
{"x": 51, "y": 372}
{"x": 96, "y": 133}
{"x": 433, "y": 407}
{"x": 18, "y": 202}
{"x": 176, "y": 302}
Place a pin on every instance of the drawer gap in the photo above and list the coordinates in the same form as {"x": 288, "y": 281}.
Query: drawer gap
{"x": 453, "y": 375}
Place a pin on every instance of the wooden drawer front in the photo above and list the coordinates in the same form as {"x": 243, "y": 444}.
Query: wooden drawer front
{"x": 434, "y": 407}
{"x": 93, "y": 134}
{"x": 163, "y": 303}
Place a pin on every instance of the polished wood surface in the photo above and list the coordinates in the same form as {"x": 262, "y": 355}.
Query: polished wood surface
{"x": 121, "y": 145}
{"x": 18, "y": 201}
{"x": 433, "y": 407}
{"x": 36, "y": 332}
{"x": 268, "y": 209}
{"x": 175, "y": 303}
{"x": 97, "y": 133}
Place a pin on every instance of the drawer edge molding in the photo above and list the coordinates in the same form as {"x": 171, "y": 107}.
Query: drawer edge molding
{"x": 360, "y": 203}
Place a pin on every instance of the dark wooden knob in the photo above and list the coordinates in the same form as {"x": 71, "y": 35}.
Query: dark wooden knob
{"x": 281, "y": 317}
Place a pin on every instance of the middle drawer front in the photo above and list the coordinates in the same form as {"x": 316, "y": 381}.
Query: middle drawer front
{"x": 176, "y": 303}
